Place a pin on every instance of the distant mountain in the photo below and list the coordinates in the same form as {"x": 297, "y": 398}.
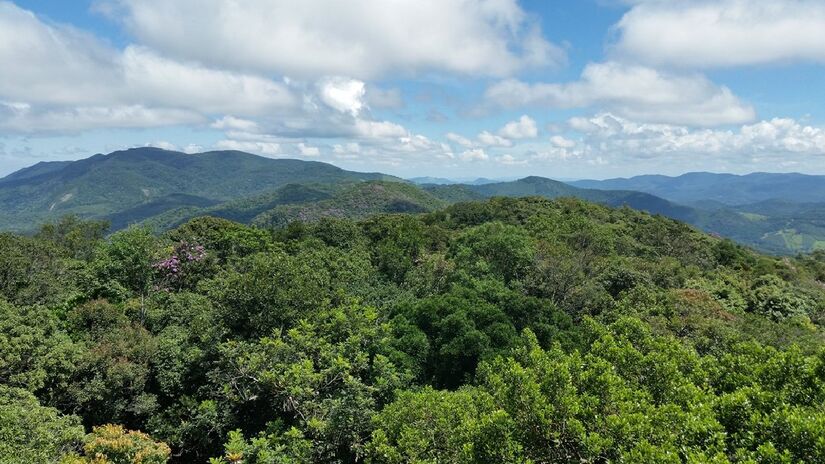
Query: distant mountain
{"x": 729, "y": 189}
{"x": 163, "y": 189}
{"x": 148, "y": 180}
{"x": 444, "y": 181}
{"x": 432, "y": 180}
{"x": 777, "y": 227}
{"x": 43, "y": 167}
{"x": 548, "y": 188}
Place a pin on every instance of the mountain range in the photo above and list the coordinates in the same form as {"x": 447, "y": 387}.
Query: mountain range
{"x": 776, "y": 213}
{"x": 729, "y": 189}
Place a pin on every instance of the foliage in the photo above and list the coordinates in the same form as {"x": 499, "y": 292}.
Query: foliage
{"x": 112, "y": 444}
{"x": 30, "y": 432}
{"x": 510, "y": 330}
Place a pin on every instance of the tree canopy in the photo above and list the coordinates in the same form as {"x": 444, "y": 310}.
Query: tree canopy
{"x": 509, "y": 330}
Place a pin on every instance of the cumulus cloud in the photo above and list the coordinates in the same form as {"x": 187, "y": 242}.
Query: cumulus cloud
{"x": 562, "y": 142}
{"x": 158, "y": 80}
{"x": 359, "y": 38}
{"x": 459, "y": 139}
{"x": 716, "y": 33}
{"x": 230, "y": 122}
{"x": 510, "y": 160}
{"x": 306, "y": 150}
{"x": 491, "y": 140}
{"x": 475, "y": 154}
{"x": 635, "y": 92}
{"x": 24, "y": 118}
{"x": 778, "y": 137}
{"x": 62, "y": 79}
{"x": 270, "y": 149}
{"x": 379, "y": 129}
{"x": 351, "y": 148}
{"x": 524, "y": 128}
{"x": 343, "y": 94}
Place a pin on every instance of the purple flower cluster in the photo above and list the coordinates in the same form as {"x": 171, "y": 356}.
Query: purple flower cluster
{"x": 195, "y": 253}
{"x": 184, "y": 253}
{"x": 171, "y": 265}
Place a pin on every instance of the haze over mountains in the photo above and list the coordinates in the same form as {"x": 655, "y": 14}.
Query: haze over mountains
{"x": 776, "y": 213}
{"x": 728, "y": 189}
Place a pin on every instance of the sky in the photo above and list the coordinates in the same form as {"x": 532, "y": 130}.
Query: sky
{"x": 444, "y": 88}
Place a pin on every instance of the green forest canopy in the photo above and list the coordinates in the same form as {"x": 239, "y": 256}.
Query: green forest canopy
{"x": 510, "y": 330}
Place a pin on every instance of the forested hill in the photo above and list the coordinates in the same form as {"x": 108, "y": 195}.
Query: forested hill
{"x": 503, "y": 331}
{"x": 105, "y": 185}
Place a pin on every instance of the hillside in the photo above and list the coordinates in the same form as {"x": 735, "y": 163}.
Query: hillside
{"x": 540, "y": 186}
{"x": 509, "y": 330}
{"x": 776, "y": 213}
{"x": 106, "y": 185}
{"x": 354, "y": 202}
{"x": 308, "y": 203}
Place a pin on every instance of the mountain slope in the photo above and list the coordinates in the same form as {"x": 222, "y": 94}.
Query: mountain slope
{"x": 356, "y": 201}
{"x": 548, "y": 188}
{"x": 105, "y": 185}
{"x": 729, "y": 189}
{"x": 778, "y": 227}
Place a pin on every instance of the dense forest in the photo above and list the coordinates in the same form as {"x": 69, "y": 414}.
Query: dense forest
{"x": 508, "y": 330}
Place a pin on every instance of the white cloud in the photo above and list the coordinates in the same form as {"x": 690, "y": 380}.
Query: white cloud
{"x": 491, "y": 140}
{"x": 343, "y": 94}
{"x": 778, "y": 137}
{"x": 232, "y": 123}
{"x": 53, "y": 64}
{"x": 556, "y": 153}
{"x": 378, "y": 129}
{"x": 475, "y": 154}
{"x": 360, "y": 38}
{"x": 351, "y": 148}
{"x": 524, "y": 128}
{"x": 704, "y": 33}
{"x": 27, "y": 119}
{"x": 163, "y": 144}
{"x": 459, "y": 139}
{"x": 63, "y": 80}
{"x": 187, "y": 85}
{"x": 510, "y": 160}
{"x": 72, "y": 81}
{"x": 262, "y": 148}
{"x": 635, "y": 92}
{"x": 309, "y": 151}
{"x": 561, "y": 142}
{"x": 193, "y": 148}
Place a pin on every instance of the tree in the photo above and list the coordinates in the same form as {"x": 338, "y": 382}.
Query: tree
{"x": 327, "y": 376}
{"x": 35, "y": 354}
{"x": 33, "y": 433}
{"x": 76, "y": 236}
{"x": 112, "y": 444}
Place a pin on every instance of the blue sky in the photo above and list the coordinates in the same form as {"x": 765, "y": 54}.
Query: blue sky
{"x": 453, "y": 88}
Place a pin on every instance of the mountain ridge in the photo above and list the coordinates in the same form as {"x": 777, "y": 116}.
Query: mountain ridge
{"x": 730, "y": 189}
{"x": 106, "y": 184}
{"x": 163, "y": 188}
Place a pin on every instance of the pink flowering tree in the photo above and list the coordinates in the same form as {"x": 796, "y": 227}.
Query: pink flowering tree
{"x": 181, "y": 268}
